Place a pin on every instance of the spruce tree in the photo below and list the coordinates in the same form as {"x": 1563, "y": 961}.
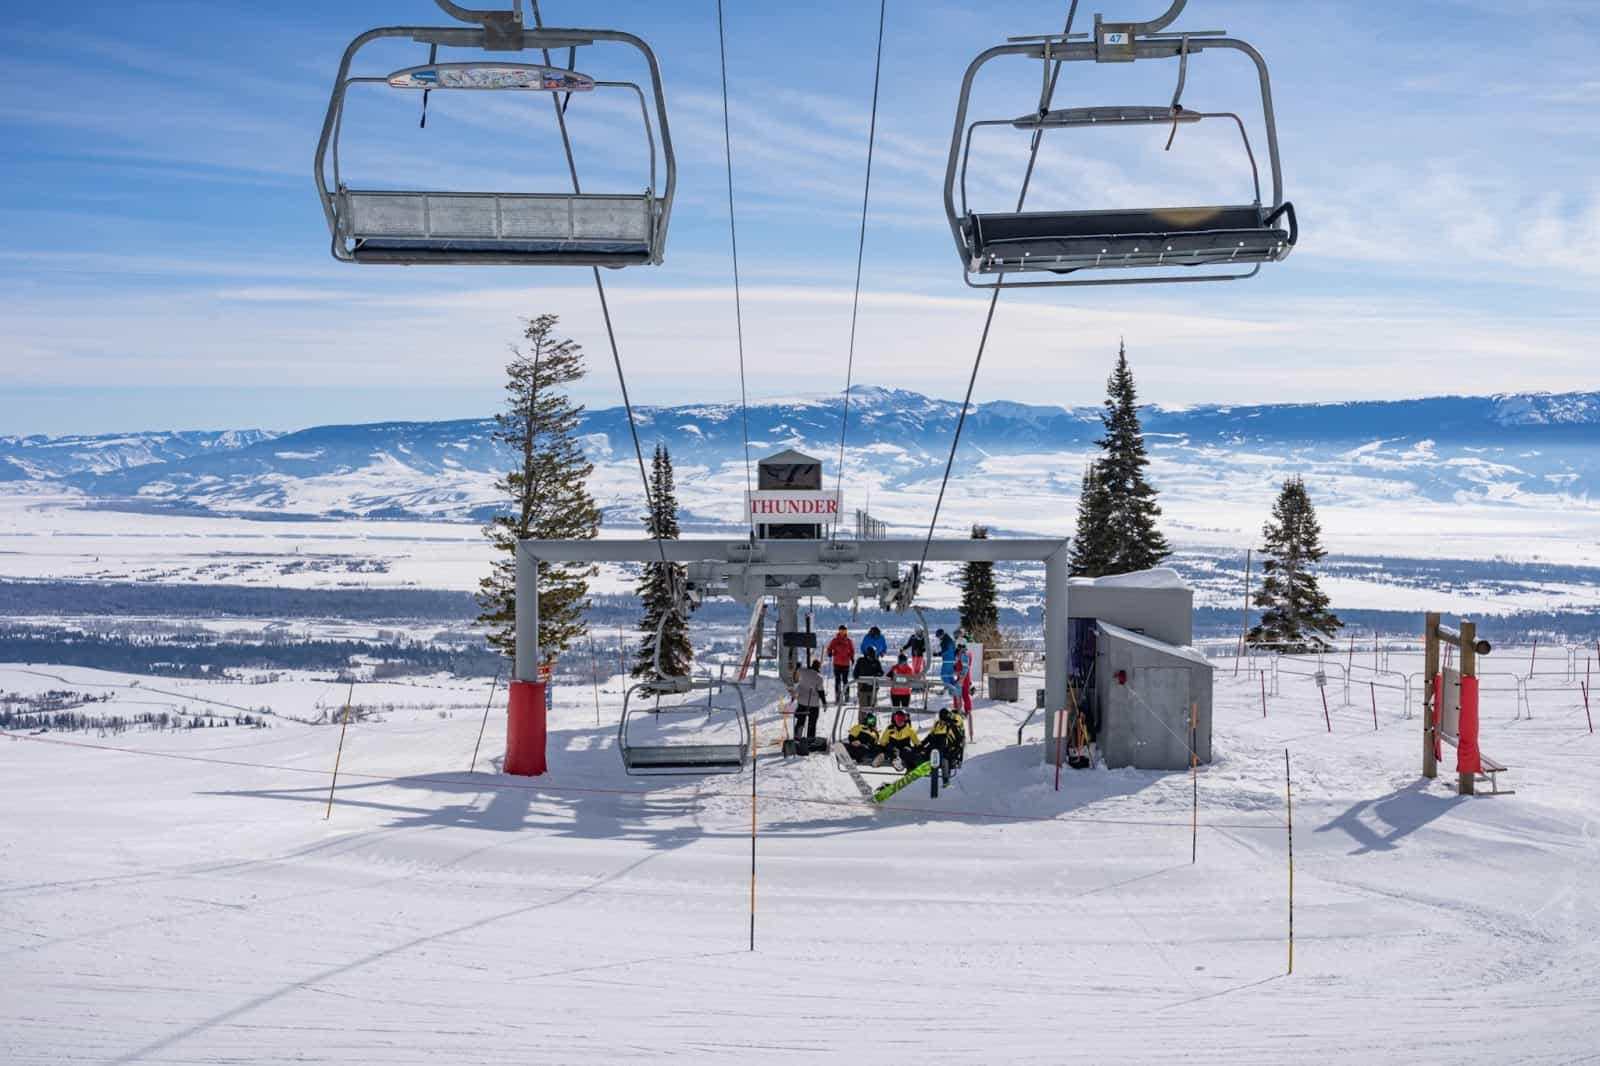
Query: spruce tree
{"x": 546, "y": 491}
{"x": 1294, "y": 611}
{"x": 980, "y": 616}
{"x": 661, "y": 583}
{"x": 1088, "y": 543}
{"x": 1125, "y": 522}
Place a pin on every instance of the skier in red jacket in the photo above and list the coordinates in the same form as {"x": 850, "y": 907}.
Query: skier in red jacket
{"x": 841, "y": 652}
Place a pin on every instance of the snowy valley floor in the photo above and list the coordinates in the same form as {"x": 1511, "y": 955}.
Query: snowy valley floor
{"x": 182, "y": 900}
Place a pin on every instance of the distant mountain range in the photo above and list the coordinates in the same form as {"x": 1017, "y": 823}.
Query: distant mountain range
{"x": 1484, "y": 448}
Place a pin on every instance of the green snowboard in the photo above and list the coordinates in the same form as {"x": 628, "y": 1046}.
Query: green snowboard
{"x": 901, "y": 782}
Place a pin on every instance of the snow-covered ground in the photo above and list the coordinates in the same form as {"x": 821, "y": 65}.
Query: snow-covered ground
{"x": 179, "y": 898}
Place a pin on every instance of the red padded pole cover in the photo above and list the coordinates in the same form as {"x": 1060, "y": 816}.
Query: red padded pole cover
{"x": 1468, "y": 759}
{"x": 525, "y": 729}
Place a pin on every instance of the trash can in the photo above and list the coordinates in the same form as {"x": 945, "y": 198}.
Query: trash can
{"x": 1002, "y": 679}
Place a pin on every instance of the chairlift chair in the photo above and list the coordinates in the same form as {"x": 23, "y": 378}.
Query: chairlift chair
{"x": 1187, "y": 243}
{"x": 379, "y": 225}
{"x": 664, "y": 759}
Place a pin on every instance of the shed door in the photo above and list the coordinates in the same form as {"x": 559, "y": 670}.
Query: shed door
{"x": 1161, "y": 722}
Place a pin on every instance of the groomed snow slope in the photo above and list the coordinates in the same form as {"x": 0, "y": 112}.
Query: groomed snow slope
{"x": 185, "y": 902}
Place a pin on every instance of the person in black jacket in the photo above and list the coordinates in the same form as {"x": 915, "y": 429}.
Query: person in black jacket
{"x": 869, "y": 665}
{"x": 916, "y": 646}
{"x": 862, "y": 741}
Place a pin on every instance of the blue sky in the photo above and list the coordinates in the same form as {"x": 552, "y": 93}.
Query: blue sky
{"x": 167, "y": 263}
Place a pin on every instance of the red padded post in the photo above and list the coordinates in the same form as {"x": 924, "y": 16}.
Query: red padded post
{"x": 1468, "y": 759}
{"x": 525, "y": 729}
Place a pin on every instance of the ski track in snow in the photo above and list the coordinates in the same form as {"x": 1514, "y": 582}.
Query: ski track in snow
{"x": 196, "y": 908}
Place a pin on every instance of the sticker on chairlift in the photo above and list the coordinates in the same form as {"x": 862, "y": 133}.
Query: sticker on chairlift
{"x": 491, "y": 76}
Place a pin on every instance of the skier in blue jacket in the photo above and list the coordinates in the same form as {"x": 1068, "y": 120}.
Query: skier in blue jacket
{"x": 875, "y": 641}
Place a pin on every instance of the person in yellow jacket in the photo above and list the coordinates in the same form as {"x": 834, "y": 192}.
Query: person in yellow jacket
{"x": 900, "y": 742}
{"x": 862, "y": 741}
{"x": 949, "y": 736}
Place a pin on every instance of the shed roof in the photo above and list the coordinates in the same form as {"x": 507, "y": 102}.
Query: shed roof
{"x": 1176, "y": 650}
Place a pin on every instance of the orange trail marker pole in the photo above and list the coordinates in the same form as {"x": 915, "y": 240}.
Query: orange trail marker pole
{"x": 340, "y": 753}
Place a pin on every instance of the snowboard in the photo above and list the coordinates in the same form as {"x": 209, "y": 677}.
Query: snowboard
{"x": 899, "y": 783}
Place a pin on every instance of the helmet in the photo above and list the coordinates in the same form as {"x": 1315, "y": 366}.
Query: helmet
{"x": 947, "y": 715}
{"x": 900, "y": 717}
{"x": 870, "y": 721}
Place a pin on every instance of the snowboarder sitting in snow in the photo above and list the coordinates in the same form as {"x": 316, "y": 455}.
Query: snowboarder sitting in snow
{"x": 862, "y": 740}
{"x": 900, "y": 743}
{"x": 948, "y": 737}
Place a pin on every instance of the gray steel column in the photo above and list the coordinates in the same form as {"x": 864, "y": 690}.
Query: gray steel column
{"x": 1055, "y": 644}
{"x": 526, "y": 666}
{"x": 788, "y": 622}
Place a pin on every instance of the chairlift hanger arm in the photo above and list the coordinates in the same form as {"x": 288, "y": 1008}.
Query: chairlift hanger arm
{"x": 1155, "y": 25}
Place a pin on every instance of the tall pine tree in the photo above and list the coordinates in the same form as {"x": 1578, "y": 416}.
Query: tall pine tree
{"x": 1294, "y": 611}
{"x": 546, "y": 490}
{"x": 1088, "y": 557}
{"x": 661, "y": 583}
{"x": 1121, "y": 535}
{"x": 980, "y": 616}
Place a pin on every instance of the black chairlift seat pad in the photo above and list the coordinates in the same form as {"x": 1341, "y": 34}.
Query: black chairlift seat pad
{"x": 685, "y": 757}
{"x": 460, "y": 250}
{"x": 1064, "y": 241}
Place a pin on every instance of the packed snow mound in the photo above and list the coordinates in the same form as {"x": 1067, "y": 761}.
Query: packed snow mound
{"x": 1159, "y": 577}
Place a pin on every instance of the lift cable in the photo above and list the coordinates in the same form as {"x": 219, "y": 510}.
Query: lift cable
{"x": 733, "y": 239}
{"x": 994, "y": 298}
{"x": 861, "y": 243}
{"x": 605, "y": 311}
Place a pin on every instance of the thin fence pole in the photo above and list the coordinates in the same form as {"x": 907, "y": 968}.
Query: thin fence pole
{"x": 1533, "y": 655}
{"x": 1326, "y": 720}
{"x": 594, "y": 674}
{"x": 1244, "y": 627}
{"x": 1374, "y": 686}
{"x": 1288, "y": 800}
{"x": 339, "y": 755}
{"x": 485, "y": 723}
{"x": 754, "y": 760}
{"x": 1263, "y": 676}
{"x": 1194, "y": 779}
{"x": 1585, "y": 689}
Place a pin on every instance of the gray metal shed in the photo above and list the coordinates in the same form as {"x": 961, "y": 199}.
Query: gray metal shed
{"x": 1143, "y": 691}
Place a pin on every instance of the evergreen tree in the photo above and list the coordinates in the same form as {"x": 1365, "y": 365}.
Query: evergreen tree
{"x": 980, "y": 616}
{"x": 1123, "y": 536}
{"x": 662, "y": 583}
{"x": 1088, "y": 542}
{"x": 546, "y": 491}
{"x": 1294, "y": 611}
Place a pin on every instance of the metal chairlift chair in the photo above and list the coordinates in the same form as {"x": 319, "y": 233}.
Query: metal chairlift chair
{"x": 663, "y": 759}
{"x": 1208, "y": 243}
{"x": 477, "y": 227}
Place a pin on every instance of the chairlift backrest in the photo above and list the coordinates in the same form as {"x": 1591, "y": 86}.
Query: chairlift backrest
{"x": 1081, "y": 246}
{"x": 565, "y": 228}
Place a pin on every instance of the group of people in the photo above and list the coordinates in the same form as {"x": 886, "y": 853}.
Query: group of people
{"x": 955, "y": 666}
{"x": 955, "y": 674}
{"x": 898, "y": 745}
